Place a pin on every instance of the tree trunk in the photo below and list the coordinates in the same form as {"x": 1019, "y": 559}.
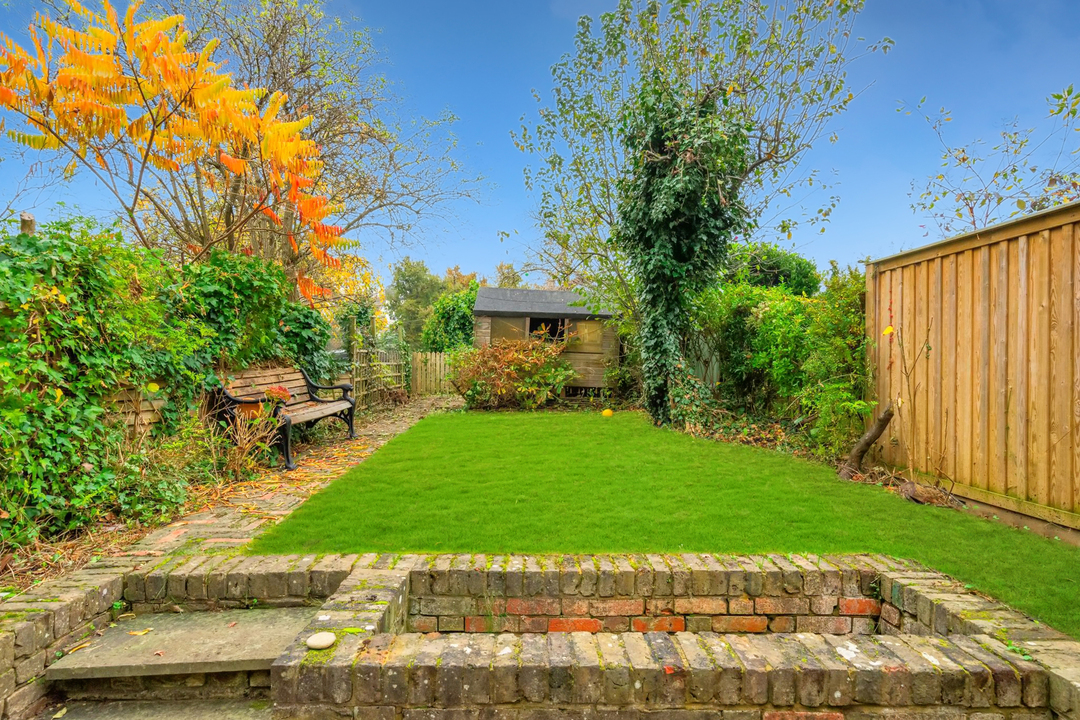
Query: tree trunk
{"x": 853, "y": 463}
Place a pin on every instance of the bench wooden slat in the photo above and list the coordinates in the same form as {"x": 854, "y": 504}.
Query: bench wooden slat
{"x": 267, "y": 375}
{"x": 316, "y": 410}
{"x": 250, "y": 385}
{"x": 299, "y": 388}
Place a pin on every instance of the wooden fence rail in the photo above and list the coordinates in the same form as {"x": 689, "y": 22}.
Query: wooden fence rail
{"x": 431, "y": 373}
{"x": 994, "y": 404}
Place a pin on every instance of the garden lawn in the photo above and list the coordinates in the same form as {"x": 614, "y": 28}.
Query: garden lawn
{"x": 582, "y": 483}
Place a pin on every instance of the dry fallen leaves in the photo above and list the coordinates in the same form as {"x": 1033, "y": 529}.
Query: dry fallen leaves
{"x": 139, "y": 632}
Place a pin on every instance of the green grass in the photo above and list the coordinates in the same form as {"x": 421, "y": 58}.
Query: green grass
{"x": 581, "y": 483}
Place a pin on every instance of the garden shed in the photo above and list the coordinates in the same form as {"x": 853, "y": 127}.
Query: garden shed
{"x": 512, "y": 314}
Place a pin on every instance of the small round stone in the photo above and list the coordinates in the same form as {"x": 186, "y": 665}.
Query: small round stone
{"x": 321, "y": 640}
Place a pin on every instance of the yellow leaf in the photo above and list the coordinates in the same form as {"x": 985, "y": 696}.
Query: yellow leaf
{"x": 152, "y": 387}
{"x": 59, "y": 394}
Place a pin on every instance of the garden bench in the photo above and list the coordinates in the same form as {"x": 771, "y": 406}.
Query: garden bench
{"x": 248, "y": 388}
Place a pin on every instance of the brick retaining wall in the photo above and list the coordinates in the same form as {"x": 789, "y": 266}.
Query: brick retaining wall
{"x": 943, "y": 653}
{"x": 643, "y": 593}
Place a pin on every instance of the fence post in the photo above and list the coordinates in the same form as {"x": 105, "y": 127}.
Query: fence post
{"x": 354, "y": 354}
{"x": 27, "y": 224}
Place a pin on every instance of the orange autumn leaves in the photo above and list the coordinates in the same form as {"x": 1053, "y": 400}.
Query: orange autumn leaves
{"x": 128, "y": 101}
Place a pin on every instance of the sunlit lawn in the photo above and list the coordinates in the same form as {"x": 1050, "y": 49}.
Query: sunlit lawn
{"x": 581, "y": 483}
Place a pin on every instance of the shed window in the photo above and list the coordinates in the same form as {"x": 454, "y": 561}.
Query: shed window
{"x": 503, "y": 328}
{"x": 547, "y": 328}
{"x": 586, "y": 335}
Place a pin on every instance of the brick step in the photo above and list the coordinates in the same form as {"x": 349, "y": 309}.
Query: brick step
{"x": 662, "y": 670}
{"x": 181, "y": 656}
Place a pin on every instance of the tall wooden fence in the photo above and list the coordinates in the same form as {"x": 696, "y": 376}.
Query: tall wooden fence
{"x": 431, "y": 373}
{"x": 984, "y": 358}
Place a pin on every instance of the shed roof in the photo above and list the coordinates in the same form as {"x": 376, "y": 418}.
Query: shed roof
{"x": 508, "y": 302}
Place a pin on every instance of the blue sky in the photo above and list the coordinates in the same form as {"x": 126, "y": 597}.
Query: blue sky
{"x": 986, "y": 60}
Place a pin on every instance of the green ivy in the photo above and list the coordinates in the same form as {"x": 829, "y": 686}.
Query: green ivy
{"x": 678, "y": 209}
{"x": 451, "y": 323}
{"x": 84, "y": 315}
{"x": 245, "y": 302}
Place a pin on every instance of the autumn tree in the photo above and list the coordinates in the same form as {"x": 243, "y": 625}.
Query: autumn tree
{"x": 386, "y": 174}
{"x": 182, "y": 149}
{"x": 784, "y": 67}
{"x": 456, "y": 280}
{"x": 1024, "y": 171}
{"x": 506, "y": 276}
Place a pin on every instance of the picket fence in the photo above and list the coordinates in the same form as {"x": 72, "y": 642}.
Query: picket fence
{"x": 431, "y": 373}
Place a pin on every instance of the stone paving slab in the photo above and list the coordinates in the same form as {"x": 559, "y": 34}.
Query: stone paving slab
{"x": 132, "y": 710}
{"x": 179, "y": 644}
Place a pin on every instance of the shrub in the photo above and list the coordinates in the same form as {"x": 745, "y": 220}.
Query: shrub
{"x": 244, "y": 300}
{"x": 837, "y": 372}
{"x": 766, "y": 264}
{"x": 302, "y": 336}
{"x": 756, "y": 337}
{"x": 81, "y": 315}
{"x": 524, "y": 374}
{"x": 451, "y": 323}
{"x": 786, "y": 356}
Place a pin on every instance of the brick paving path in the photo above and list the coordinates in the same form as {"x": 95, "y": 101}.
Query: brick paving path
{"x": 235, "y": 520}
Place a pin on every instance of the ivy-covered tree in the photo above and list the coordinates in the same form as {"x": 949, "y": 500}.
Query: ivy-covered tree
{"x": 785, "y": 65}
{"x": 679, "y": 207}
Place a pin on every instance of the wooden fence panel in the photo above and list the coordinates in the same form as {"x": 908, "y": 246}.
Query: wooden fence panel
{"x": 375, "y": 375}
{"x": 138, "y": 411}
{"x": 431, "y": 373}
{"x": 994, "y": 406}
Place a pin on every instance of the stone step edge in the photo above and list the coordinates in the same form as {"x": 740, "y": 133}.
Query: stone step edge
{"x": 662, "y": 670}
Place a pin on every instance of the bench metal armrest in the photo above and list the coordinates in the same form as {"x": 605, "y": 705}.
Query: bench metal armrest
{"x": 312, "y": 386}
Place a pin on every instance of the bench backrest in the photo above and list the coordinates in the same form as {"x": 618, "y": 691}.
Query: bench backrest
{"x": 251, "y": 384}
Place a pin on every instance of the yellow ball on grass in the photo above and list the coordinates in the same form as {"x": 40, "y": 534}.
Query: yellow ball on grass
{"x": 608, "y": 413}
